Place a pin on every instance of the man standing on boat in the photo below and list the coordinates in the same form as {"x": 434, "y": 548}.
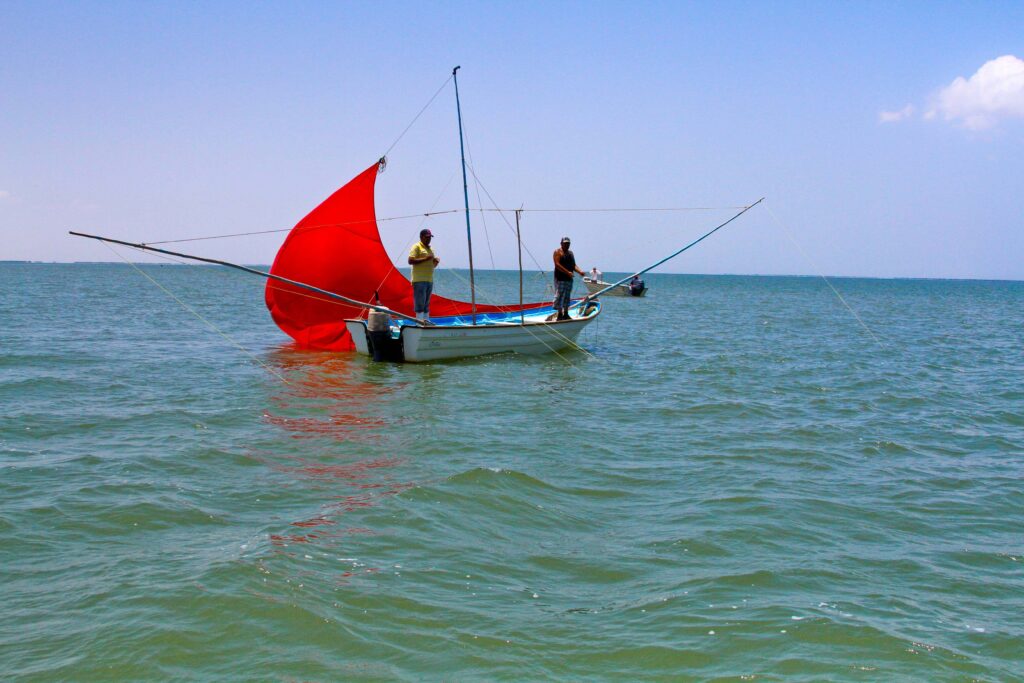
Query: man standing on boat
{"x": 565, "y": 268}
{"x": 423, "y": 262}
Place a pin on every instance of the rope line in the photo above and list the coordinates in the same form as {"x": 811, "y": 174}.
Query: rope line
{"x": 480, "y": 204}
{"x": 504, "y": 217}
{"x": 416, "y": 118}
{"x": 821, "y": 274}
{"x": 609, "y": 210}
{"x": 309, "y": 227}
{"x": 430, "y": 214}
{"x": 198, "y": 315}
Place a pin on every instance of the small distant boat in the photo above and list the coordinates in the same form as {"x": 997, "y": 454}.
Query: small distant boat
{"x": 608, "y": 289}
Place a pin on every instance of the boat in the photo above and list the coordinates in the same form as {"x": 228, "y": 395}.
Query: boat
{"x": 345, "y": 225}
{"x": 528, "y": 331}
{"x": 608, "y": 289}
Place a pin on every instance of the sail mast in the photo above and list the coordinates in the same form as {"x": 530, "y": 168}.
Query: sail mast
{"x": 465, "y": 194}
{"x": 519, "y": 244}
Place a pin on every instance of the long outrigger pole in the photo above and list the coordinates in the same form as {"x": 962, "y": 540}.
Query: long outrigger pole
{"x": 269, "y": 276}
{"x": 465, "y": 194}
{"x": 671, "y": 256}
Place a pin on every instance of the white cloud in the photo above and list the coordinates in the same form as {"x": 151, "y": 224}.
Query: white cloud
{"x": 4, "y": 194}
{"x": 994, "y": 93}
{"x": 896, "y": 116}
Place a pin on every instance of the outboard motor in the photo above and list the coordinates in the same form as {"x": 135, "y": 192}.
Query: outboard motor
{"x": 382, "y": 345}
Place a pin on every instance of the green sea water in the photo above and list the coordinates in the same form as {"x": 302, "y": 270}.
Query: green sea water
{"x": 736, "y": 481}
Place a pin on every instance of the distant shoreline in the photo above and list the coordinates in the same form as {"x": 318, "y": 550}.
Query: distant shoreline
{"x": 510, "y": 270}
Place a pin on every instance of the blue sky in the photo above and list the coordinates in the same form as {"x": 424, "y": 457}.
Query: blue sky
{"x": 158, "y": 121}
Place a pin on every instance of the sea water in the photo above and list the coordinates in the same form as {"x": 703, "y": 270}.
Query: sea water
{"x": 737, "y": 478}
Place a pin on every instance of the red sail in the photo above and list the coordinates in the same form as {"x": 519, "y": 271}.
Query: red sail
{"x": 337, "y": 247}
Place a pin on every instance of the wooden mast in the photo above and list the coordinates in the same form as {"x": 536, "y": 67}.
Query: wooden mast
{"x": 519, "y": 244}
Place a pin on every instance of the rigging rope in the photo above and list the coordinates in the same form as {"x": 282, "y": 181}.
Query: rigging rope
{"x": 308, "y": 227}
{"x": 821, "y": 274}
{"x": 429, "y": 102}
{"x": 504, "y": 218}
{"x": 198, "y": 315}
{"x": 480, "y": 204}
{"x": 610, "y": 210}
{"x": 430, "y": 214}
{"x": 270, "y": 284}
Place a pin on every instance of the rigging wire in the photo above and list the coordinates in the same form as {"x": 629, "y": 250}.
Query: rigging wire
{"x": 430, "y": 214}
{"x": 196, "y": 313}
{"x": 416, "y": 118}
{"x": 483, "y": 218}
{"x": 480, "y": 204}
{"x": 269, "y": 283}
{"x": 622, "y": 209}
{"x": 309, "y": 227}
{"x": 821, "y": 274}
{"x": 476, "y": 179}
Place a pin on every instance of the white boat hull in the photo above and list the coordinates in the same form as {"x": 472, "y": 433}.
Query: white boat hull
{"x": 442, "y": 342}
{"x": 594, "y": 287}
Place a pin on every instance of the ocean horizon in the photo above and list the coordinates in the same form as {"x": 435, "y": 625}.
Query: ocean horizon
{"x": 405, "y": 270}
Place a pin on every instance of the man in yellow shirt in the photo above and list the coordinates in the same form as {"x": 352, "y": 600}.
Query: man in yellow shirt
{"x": 423, "y": 262}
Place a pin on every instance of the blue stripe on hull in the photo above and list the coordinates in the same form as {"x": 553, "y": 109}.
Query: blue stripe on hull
{"x": 489, "y": 318}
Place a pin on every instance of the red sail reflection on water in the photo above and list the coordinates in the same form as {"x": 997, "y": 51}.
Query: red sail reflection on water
{"x": 319, "y": 384}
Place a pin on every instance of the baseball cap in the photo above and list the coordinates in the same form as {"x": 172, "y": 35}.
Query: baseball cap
{"x": 425, "y": 232}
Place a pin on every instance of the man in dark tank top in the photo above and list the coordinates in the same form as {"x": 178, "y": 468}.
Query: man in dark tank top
{"x": 565, "y": 269}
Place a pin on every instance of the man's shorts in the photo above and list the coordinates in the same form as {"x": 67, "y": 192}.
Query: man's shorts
{"x": 563, "y": 293}
{"x": 421, "y": 292}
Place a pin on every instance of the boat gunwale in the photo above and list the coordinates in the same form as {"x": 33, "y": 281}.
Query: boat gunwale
{"x": 403, "y": 324}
